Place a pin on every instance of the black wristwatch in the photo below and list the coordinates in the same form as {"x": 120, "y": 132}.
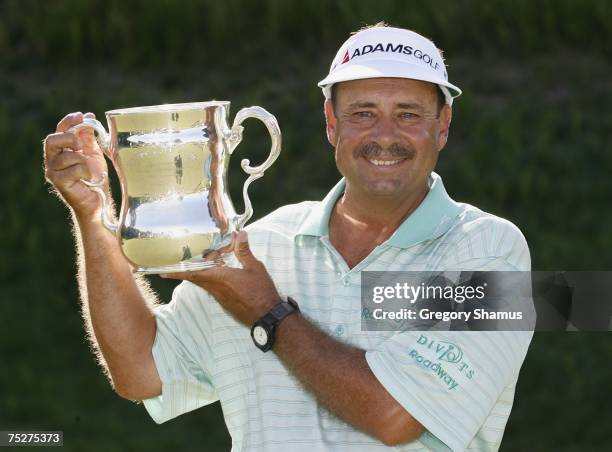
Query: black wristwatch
{"x": 264, "y": 329}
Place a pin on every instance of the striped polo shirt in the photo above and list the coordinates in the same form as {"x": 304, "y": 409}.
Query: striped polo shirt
{"x": 203, "y": 355}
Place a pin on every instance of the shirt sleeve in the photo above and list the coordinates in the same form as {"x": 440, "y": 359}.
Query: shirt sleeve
{"x": 182, "y": 351}
{"x": 450, "y": 381}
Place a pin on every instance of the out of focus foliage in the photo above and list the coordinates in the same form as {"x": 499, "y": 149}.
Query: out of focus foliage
{"x": 529, "y": 141}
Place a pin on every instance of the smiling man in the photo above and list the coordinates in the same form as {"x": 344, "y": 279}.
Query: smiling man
{"x": 278, "y": 339}
{"x": 387, "y": 133}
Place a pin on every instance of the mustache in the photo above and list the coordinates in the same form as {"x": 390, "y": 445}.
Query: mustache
{"x": 371, "y": 150}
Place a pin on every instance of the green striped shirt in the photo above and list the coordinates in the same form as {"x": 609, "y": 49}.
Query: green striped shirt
{"x": 203, "y": 355}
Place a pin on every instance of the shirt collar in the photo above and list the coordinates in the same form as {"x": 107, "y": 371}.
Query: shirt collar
{"x": 317, "y": 221}
{"x": 432, "y": 218}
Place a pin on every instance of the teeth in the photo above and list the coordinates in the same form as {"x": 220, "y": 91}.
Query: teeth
{"x": 383, "y": 162}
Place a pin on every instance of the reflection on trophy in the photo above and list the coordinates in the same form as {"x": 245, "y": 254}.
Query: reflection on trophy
{"x": 172, "y": 162}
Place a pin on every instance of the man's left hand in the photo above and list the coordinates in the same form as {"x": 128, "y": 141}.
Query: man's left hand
{"x": 248, "y": 293}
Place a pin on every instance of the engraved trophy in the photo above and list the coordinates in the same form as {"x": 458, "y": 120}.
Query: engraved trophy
{"x": 172, "y": 162}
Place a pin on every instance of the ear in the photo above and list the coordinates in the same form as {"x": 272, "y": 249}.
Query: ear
{"x": 446, "y": 115}
{"x": 330, "y": 122}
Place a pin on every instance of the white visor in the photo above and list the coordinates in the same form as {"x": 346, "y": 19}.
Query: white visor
{"x": 389, "y": 52}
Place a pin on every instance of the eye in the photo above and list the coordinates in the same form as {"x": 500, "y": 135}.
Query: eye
{"x": 408, "y": 115}
{"x": 363, "y": 114}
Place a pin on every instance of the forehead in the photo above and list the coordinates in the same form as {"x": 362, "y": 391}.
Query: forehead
{"x": 386, "y": 89}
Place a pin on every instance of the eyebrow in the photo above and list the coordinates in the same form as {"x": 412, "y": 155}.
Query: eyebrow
{"x": 410, "y": 105}
{"x": 404, "y": 105}
{"x": 362, "y": 105}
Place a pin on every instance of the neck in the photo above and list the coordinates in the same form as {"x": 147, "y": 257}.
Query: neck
{"x": 382, "y": 213}
{"x": 359, "y": 224}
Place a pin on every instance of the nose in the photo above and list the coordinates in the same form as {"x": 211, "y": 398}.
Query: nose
{"x": 384, "y": 132}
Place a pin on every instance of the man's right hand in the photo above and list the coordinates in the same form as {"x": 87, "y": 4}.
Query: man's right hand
{"x": 117, "y": 305}
{"x": 71, "y": 157}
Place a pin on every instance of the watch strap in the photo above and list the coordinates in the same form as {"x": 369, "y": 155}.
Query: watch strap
{"x": 282, "y": 309}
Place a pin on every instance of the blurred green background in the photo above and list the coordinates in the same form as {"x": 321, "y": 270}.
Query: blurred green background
{"x": 530, "y": 141}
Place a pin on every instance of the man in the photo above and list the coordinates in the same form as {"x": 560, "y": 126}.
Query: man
{"x": 321, "y": 383}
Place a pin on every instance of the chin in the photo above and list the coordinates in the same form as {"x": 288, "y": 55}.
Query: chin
{"x": 383, "y": 188}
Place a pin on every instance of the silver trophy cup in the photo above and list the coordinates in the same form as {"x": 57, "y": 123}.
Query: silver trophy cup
{"x": 172, "y": 161}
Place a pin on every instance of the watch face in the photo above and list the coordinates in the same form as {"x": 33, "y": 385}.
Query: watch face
{"x": 260, "y": 335}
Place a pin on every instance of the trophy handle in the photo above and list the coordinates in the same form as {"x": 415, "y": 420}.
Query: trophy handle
{"x": 102, "y": 137}
{"x": 254, "y": 172}
{"x": 103, "y": 140}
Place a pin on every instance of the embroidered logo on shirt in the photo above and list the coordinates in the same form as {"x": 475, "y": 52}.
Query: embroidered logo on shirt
{"x": 436, "y": 368}
{"x": 445, "y": 352}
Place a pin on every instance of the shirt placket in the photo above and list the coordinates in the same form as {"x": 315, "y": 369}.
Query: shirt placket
{"x": 346, "y": 297}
